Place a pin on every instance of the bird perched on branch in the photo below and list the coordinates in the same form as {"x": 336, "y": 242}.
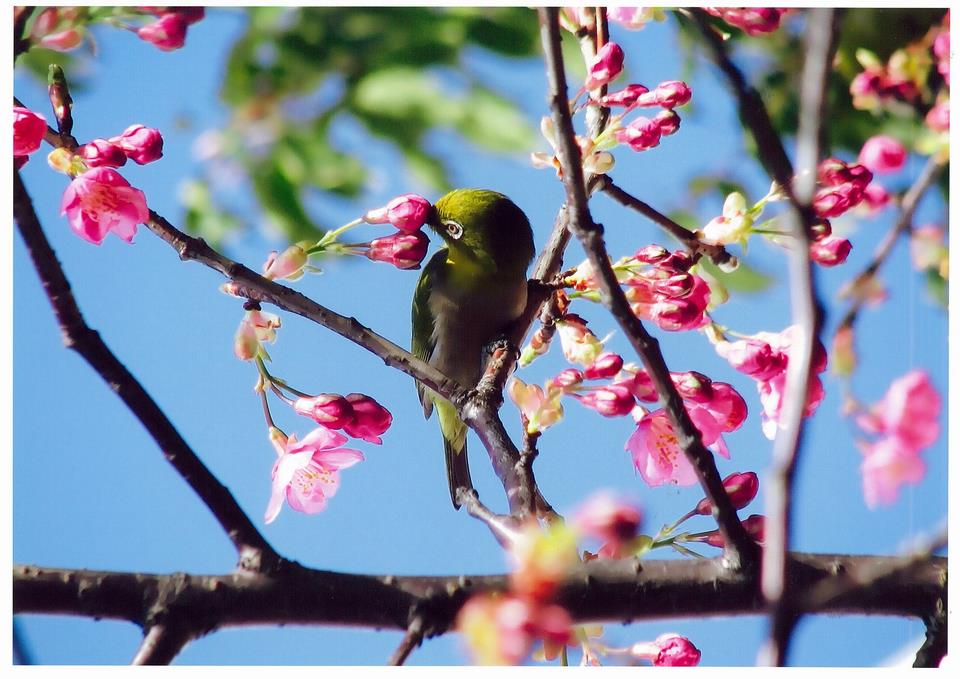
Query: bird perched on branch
{"x": 468, "y": 293}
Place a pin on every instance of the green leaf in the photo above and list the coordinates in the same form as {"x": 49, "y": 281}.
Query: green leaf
{"x": 202, "y": 217}
{"x": 743, "y": 279}
{"x": 493, "y": 122}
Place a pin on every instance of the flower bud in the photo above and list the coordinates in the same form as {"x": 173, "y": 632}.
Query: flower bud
{"x": 566, "y": 380}
{"x": 141, "y": 144}
{"x": 286, "y": 265}
{"x": 607, "y": 365}
{"x": 641, "y": 134}
{"x": 169, "y": 32}
{"x": 672, "y": 93}
{"x": 331, "y": 410}
{"x": 882, "y": 154}
{"x": 609, "y": 519}
{"x": 626, "y": 97}
{"x": 668, "y": 650}
{"x": 403, "y": 250}
{"x": 370, "y": 419}
{"x": 742, "y": 487}
{"x": 408, "y": 212}
{"x": 830, "y": 251}
{"x": 102, "y": 153}
{"x": 613, "y": 400}
{"x": 606, "y": 66}
{"x": 668, "y": 121}
{"x": 693, "y": 386}
{"x": 28, "y": 131}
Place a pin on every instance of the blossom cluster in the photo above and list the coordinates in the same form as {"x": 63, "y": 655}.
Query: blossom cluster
{"x": 904, "y": 421}
{"x": 764, "y": 357}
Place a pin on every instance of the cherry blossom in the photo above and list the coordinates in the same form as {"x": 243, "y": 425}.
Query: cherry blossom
{"x": 100, "y": 201}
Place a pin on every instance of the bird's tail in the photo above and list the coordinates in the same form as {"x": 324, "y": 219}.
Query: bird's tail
{"x": 454, "y": 449}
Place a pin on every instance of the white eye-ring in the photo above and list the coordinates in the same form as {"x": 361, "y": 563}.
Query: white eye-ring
{"x": 454, "y": 229}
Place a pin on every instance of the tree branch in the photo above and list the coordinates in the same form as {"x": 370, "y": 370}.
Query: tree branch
{"x": 252, "y": 548}
{"x": 411, "y": 639}
{"x": 161, "y": 644}
{"x": 622, "y": 589}
{"x": 741, "y": 551}
{"x": 821, "y": 39}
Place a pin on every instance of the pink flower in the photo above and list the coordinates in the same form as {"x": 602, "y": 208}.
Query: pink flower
{"x": 612, "y": 521}
{"x": 752, "y": 20}
{"x": 169, "y": 32}
{"x": 641, "y": 134}
{"x": 100, "y": 201}
{"x": 631, "y": 18}
{"x": 607, "y": 365}
{"x": 626, "y": 97}
{"x": 579, "y": 344}
{"x": 668, "y": 121}
{"x": 656, "y": 452}
{"x": 875, "y": 197}
{"x": 887, "y": 465}
{"x": 501, "y": 630}
{"x": 753, "y": 357}
{"x": 742, "y": 487}
{"x": 286, "y": 265}
{"x": 102, "y": 153}
{"x": 28, "y": 131}
{"x": 190, "y": 14}
{"x": 307, "y": 472}
{"x": 566, "y": 380}
{"x": 909, "y": 411}
{"x": 938, "y": 118}
{"x": 668, "y": 650}
{"x": 256, "y": 327}
{"x": 141, "y": 144}
{"x": 331, "y": 410}
{"x": 672, "y": 93}
{"x": 539, "y": 409}
{"x": 408, "y": 212}
{"x": 830, "y": 251}
{"x": 883, "y": 154}
{"x": 62, "y": 41}
{"x": 370, "y": 419}
{"x": 610, "y": 401}
{"x": 606, "y": 66}
{"x": 402, "y": 250}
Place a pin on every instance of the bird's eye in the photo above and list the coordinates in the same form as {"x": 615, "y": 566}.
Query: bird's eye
{"x": 454, "y": 229}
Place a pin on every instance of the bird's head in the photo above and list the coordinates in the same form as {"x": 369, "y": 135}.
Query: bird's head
{"x": 485, "y": 225}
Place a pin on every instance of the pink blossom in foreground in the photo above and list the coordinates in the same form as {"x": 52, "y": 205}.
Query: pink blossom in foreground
{"x": 753, "y": 357}
{"x": 53, "y": 29}
{"x": 610, "y": 401}
{"x": 307, "y": 472}
{"x": 882, "y": 154}
{"x": 656, "y": 451}
{"x": 909, "y": 411}
{"x": 606, "y": 66}
{"x": 611, "y": 520}
{"x": 100, "y": 201}
{"x": 169, "y": 32}
{"x": 668, "y": 650}
{"x": 28, "y": 131}
{"x": 331, "y": 410}
{"x": 403, "y": 250}
{"x": 542, "y": 558}
{"x": 631, "y": 18}
{"x": 408, "y": 212}
{"x": 742, "y": 487}
{"x": 938, "y": 118}
{"x": 370, "y": 419}
{"x": 501, "y": 630}
{"x": 287, "y": 265}
{"x": 752, "y": 20}
{"x": 875, "y": 197}
{"x": 141, "y": 144}
{"x": 102, "y": 153}
{"x": 830, "y": 251}
{"x": 887, "y": 465}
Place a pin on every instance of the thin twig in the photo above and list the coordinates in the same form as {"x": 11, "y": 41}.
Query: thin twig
{"x": 411, "y": 639}
{"x": 717, "y": 253}
{"x": 161, "y": 644}
{"x": 820, "y": 39}
{"x": 504, "y": 528}
{"x": 908, "y": 205}
{"x": 21, "y": 42}
{"x": 741, "y": 550}
{"x": 253, "y": 550}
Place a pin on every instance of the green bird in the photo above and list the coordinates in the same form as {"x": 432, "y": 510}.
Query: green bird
{"x": 468, "y": 294}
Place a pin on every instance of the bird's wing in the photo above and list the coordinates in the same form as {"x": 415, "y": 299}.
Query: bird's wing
{"x": 424, "y": 339}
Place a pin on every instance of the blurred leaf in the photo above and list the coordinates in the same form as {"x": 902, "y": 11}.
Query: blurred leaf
{"x": 937, "y": 287}
{"x": 202, "y": 217}
{"x": 280, "y": 199}
{"x": 494, "y": 123}
{"x": 744, "y": 279}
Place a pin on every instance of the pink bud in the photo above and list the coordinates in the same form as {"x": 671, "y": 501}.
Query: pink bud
{"x": 641, "y": 386}
{"x": 672, "y": 93}
{"x": 753, "y": 524}
{"x": 668, "y": 121}
{"x": 403, "y": 250}
{"x": 331, "y": 410}
{"x": 606, "y": 66}
{"x": 609, "y": 519}
{"x": 613, "y": 400}
{"x": 651, "y": 254}
{"x": 668, "y": 650}
{"x": 62, "y": 41}
{"x": 876, "y": 197}
{"x": 370, "y": 419}
{"x": 678, "y": 314}
{"x": 821, "y": 229}
{"x": 102, "y": 153}
{"x": 408, "y": 212}
{"x": 567, "y": 380}
{"x": 883, "y": 154}
{"x": 626, "y": 97}
{"x": 678, "y": 260}
{"x": 287, "y": 264}
{"x": 28, "y": 131}
{"x": 141, "y": 144}
{"x": 742, "y": 487}
{"x": 641, "y": 134}
{"x": 830, "y": 251}
{"x": 938, "y": 119}
{"x": 607, "y": 365}
{"x": 693, "y": 386}
{"x": 169, "y": 32}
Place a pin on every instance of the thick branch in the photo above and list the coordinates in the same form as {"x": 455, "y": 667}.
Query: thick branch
{"x": 741, "y": 550}
{"x": 821, "y": 35}
{"x": 623, "y": 590}
{"x": 253, "y": 550}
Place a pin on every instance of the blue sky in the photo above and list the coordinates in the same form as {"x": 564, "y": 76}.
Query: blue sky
{"x": 92, "y": 491}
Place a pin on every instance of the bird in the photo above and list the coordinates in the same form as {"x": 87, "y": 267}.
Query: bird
{"x": 468, "y": 294}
